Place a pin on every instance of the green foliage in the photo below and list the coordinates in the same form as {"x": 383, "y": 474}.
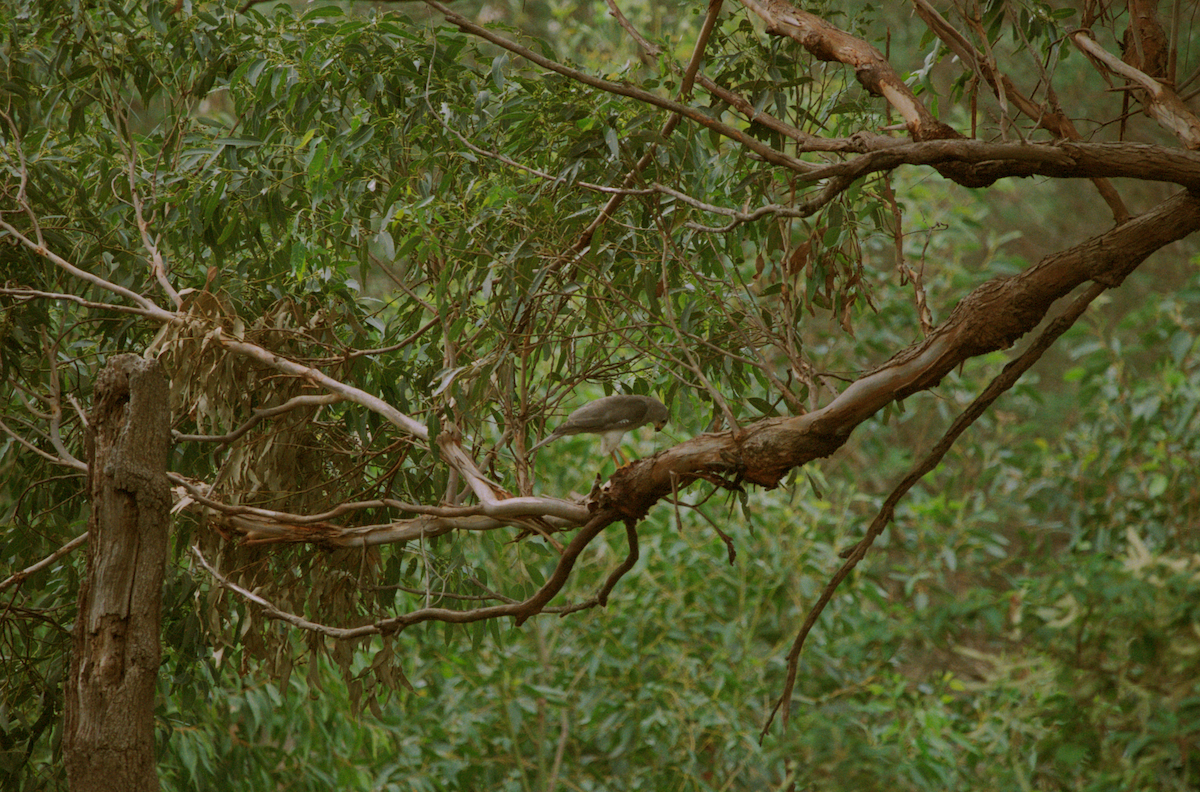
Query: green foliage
{"x": 322, "y": 183}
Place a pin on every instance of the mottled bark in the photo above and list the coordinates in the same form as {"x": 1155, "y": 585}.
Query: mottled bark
{"x": 108, "y": 740}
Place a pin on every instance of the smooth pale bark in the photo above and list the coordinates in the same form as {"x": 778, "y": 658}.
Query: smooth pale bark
{"x": 108, "y": 740}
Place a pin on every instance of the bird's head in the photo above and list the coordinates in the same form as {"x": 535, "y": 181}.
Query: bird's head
{"x": 657, "y": 414}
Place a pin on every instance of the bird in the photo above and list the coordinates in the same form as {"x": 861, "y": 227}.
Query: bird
{"x": 611, "y": 417}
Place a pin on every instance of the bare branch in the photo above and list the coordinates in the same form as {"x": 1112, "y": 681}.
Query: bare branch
{"x": 18, "y": 577}
{"x": 151, "y": 310}
{"x": 158, "y": 266}
{"x": 347, "y": 392}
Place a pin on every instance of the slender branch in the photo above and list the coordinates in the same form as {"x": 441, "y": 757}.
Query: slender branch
{"x": 158, "y": 267}
{"x": 274, "y": 612}
{"x": 24, "y": 295}
{"x": 347, "y": 392}
{"x": 692, "y": 114}
{"x": 270, "y": 522}
{"x": 18, "y": 577}
{"x": 631, "y": 558}
{"x": 144, "y": 303}
{"x": 56, "y": 405}
{"x": 71, "y": 462}
{"x": 519, "y": 611}
{"x": 1002, "y": 383}
{"x": 258, "y": 415}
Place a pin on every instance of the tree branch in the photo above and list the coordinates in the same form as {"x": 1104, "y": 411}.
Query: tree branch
{"x": 1161, "y": 103}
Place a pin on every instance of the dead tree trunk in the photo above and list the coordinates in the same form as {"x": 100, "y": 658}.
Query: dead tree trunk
{"x": 109, "y": 721}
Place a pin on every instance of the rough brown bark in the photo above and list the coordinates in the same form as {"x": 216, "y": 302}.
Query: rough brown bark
{"x": 108, "y": 740}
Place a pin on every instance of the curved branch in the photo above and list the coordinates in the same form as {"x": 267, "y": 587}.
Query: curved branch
{"x": 258, "y": 415}
{"x": 148, "y": 306}
{"x": 990, "y": 318}
{"x": 872, "y": 70}
{"x": 519, "y": 611}
{"x": 1063, "y": 159}
{"x": 347, "y": 392}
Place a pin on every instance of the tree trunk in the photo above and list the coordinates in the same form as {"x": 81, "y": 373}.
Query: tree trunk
{"x": 109, "y": 728}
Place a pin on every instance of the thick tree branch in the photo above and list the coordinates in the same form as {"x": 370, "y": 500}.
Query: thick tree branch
{"x": 990, "y": 318}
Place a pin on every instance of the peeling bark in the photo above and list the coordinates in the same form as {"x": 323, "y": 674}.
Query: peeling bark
{"x": 1145, "y": 46}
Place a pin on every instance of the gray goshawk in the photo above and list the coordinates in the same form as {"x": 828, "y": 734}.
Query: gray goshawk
{"x": 611, "y": 417}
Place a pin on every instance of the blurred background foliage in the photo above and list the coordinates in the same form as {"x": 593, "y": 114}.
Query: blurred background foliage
{"x": 1031, "y": 621}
